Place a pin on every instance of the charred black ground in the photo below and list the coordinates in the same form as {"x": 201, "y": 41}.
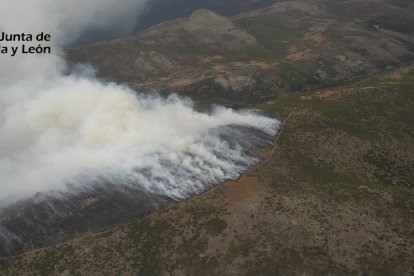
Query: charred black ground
{"x": 51, "y": 218}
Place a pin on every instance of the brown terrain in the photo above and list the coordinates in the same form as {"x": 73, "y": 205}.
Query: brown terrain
{"x": 333, "y": 196}
{"x": 261, "y": 54}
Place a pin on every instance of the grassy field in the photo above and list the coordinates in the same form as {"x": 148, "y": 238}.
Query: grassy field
{"x": 334, "y": 196}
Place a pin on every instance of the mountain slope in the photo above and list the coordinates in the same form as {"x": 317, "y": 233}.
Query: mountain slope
{"x": 335, "y": 196}
{"x": 258, "y": 55}
{"x": 163, "y": 10}
{"x": 158, "y": 11}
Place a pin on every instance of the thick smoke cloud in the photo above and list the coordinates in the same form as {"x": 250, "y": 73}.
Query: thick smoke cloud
{"x": 65, "y": 136}
{"x": 58, "y": 130}
{"x": 80, "y": 127}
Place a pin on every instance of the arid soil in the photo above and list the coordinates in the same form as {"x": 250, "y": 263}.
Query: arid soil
{"x": 335, "y": 196}
{"x": 259, "y": 55}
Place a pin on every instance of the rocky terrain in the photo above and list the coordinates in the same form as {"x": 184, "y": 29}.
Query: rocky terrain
{"x": 162, "y": 10}
{"x": 157, "y": 11}
{"x": 262, "y": 54}
{"x": 334, "y": 196}
{"x": 335, "y": 193}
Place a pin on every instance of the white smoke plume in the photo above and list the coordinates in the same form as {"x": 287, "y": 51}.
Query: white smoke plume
{"x": 65, "y": 21}
{"x": 60, "y": 129}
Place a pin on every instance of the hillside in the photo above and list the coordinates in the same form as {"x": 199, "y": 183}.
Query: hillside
{"x": 259, "y": 55}
{"x": 163, "y": 10}
{"x": 335, "y": 195}
{"x": 157, "y": 11}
